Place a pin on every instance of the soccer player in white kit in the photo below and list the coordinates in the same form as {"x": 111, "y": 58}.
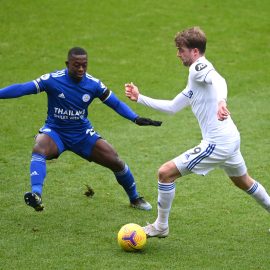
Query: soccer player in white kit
{"x": 206, "y": 93}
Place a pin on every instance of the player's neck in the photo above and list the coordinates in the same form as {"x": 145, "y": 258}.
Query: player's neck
{"x": 196, "y": 57}
{"x": 75, "y": 79}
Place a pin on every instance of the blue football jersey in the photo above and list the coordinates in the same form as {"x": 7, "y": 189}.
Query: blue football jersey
{"x": 68, "y": 100}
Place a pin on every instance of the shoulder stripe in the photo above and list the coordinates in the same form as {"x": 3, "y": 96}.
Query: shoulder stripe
{"x": 59, "y": 73}
{"x": 88, "y": 76}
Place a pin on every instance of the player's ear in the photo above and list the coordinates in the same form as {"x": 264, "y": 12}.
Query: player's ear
{"x": 196, "y": 51}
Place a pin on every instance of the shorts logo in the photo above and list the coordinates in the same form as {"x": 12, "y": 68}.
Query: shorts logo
{"x": 90, "y": 131}
{"x": 200, "y": 66}
{"x": 86, "y": 98}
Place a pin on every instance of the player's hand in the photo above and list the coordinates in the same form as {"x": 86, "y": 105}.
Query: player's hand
{"x": 223, "y": 112}
{"x": 147, "y": 122}
{"x": 132, "y": 91}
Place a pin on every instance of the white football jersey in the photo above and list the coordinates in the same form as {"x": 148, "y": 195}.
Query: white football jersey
{"x": 203, "y": 99}
{"x": 204, "y": 89}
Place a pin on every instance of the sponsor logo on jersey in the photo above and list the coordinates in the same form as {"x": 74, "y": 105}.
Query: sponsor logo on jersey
{"x": 61, "y": 95}
{"x": 65, "y": 114}
{"x": 86, "y": 98}
{"x": 200, "y": 66}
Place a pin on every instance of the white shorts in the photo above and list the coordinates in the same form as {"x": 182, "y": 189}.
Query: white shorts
{"x": 206, "y": 156}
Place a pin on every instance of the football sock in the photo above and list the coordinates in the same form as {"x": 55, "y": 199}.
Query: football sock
{"x": 166, "y": 192}
{"x": 258, "y": 192}
{"x": 126, "y": 180}
{"x": 37, "y": 172}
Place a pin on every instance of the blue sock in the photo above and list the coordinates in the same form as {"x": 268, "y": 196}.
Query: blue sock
{"x": 126, "y": 180}
{"x": 37, "y": 172}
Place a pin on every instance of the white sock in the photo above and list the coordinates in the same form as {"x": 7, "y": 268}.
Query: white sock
{"x": 258, "y": 192}
{"x": 166, "y": 192}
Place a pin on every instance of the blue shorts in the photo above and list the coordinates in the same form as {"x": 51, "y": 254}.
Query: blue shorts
{"x": 79, "y": 143}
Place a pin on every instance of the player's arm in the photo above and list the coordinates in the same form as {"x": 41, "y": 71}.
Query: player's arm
{"x": 168, "y": 106}
{"x": 111, "y": 100}
{"x": 220, "y": 85}
{"x": 18, "y": 90}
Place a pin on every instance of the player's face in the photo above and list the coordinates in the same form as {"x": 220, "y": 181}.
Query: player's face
{"x": 186, "y": 55}
{"x": 77, "y": 66}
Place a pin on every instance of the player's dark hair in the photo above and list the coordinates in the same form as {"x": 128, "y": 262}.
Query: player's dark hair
{"x": 191, "y": 38}
{"x": 76, "y": 51}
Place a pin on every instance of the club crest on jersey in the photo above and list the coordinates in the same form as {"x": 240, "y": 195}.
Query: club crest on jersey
{"x": 200, "y": 66}
{"x": 86, "y": 98}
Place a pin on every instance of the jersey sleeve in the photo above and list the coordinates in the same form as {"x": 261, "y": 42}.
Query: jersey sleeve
{"x": 18, "y": 90}
{"x": 168, "y": 106}
{"x": 119, "y": 106}
{"x": 101, "y": 90}
{"x": 42, "y": 82}
{"x": 199, "y": 70}
{"x": 34, "y": 87}
{"x": 219, "y": 84}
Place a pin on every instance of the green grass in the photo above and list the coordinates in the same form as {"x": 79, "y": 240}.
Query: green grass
{"x": 213, "y": 225}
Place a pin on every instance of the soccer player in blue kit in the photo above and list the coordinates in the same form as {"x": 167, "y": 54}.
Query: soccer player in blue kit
{"x": 70, "y": 91}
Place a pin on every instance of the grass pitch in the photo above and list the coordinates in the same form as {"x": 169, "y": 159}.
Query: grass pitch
{"x": 213, "y": 225}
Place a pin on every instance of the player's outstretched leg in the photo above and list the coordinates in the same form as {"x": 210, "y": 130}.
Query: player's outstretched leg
{"x": 126, "y": 180}
{"x": 34, "y": 200}
{"x": 253, "y": 188}
{"x": 37, "y": 174}
{"x": 258, "y": 192}
{"x": 160, "y": 228}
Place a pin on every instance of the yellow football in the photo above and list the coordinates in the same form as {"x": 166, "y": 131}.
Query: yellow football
{"x": 131, "y": 237}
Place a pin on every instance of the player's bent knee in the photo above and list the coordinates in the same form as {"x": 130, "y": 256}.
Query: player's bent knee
{"x": 163, "y": 174}
{"x": 168, "y": 172}
{"x": 118, "y": 165}
{"x": 48, "y": 152}
{"x": 39, "y": 150}
{"x": 113, "y": 163}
